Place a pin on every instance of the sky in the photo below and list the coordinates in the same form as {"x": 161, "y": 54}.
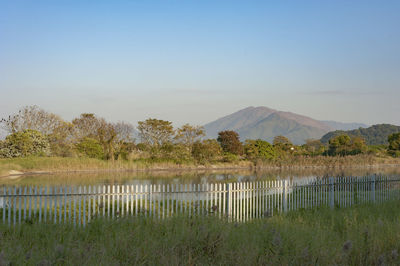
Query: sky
{"x": 196, "y": 61}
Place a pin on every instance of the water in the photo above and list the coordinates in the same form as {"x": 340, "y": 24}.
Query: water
{"x": 237, "y": 195}
{"x": 185, "y": 177}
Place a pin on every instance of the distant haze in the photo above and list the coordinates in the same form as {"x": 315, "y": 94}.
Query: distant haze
{"x": 195, "y": 61}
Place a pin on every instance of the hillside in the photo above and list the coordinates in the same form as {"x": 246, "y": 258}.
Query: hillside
{"x": 266, "y": 123}
{"x": 277, "y": 124}
{"x": 374, "y": 135}
{"x": 237, "y": 120}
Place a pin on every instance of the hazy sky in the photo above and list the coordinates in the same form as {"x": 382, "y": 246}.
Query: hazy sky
{"x": 195, "y": 61}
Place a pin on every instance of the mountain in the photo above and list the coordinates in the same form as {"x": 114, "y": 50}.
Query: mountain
{"x": 374, "y": 135}
{"x": 278, "y": 124}
{"x": 266, "y": 123}
{"x": 238, "y": 120}
{"x": 344, "y": 126}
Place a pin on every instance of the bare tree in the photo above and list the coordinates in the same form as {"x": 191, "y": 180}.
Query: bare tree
{"x": 32, "y": 117}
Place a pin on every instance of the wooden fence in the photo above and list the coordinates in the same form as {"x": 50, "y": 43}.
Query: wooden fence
{"x": 240, "y": 201}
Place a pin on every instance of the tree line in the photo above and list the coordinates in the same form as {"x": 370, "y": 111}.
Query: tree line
{"x": 33, "y": 131}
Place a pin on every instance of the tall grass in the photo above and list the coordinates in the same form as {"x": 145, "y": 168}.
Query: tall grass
{"x": 363, "y": 235}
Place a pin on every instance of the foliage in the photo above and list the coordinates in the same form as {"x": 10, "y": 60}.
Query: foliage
{"x": 155, "y": 132}
{"x": 394, "y": 144}
{"x": 187, "y": 135}
{"x": 282, "y": 143}
{"x": 25, "y": 143}
{"x": 344, "y": 145}
{"x": 111, "y": 136}
{"x": 314, "y": 147}
{"x": 90, "y": 147}
{"x": 230, "y": 143}
{"x": 374, "y": 135}
{"x": 206, "y": 151}
{"x": 178, "y": 153}
{"x": 230, "y": 157}
{"x": 259, "y": 149}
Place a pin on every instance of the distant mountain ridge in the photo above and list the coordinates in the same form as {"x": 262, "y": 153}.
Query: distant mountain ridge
{"x": 344, "y": 126}
{"x": 373, "y": 135}
{"x": 266, "y": 123}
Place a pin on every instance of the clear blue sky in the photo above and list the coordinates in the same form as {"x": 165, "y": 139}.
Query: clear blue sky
{"x": 195, "y": 61}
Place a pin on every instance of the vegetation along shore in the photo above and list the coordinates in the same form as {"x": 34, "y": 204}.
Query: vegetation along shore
{"x": 360, "y": 235}
{"x": 38, "y": 140}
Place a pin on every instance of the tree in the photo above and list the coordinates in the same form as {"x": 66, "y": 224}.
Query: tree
{"x": 314, "y": 146}
{"x": 112, "y": 137}
{"x": 281, "y": 140}
{"x": 87, "y": 125}
{"x": 339, "y": 145}
{"x": 206, "y": 151}
{"x": 25, "y": 143}
{"x": 90, "y": 147}
{"x": 394, "y": 144}
{"x": 344, "y": 145}
{"x": 32, "y": 117}
{"x": 155, "y": 132}
{"x": 259, "y": 149}
{"x": 229, "y": 141}
{"x": 358, "y": 145}
{"x": 124, "y": 141}
{"x": 187, "y": 135}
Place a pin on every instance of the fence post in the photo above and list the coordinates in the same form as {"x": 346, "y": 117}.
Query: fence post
{"x": 331, "y": 193}
{"x": 284, "y": 196}
{"x": 373, "y": 188}
{"x": 227, "y": 200}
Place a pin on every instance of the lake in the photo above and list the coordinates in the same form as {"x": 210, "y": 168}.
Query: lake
{"x": 185, "y": 177}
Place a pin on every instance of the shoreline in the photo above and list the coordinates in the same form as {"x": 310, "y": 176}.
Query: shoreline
{"x": 16, "y": 174}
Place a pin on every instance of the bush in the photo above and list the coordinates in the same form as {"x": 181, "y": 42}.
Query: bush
{"x": 259, "y": 149}
{"x": 90, "y": 147}
{"x": 394, "y": 144}
{"x": 229, "y": 141}
{"x": 206, "y": 151}
{"x": 25, "y": 143}
{"x": 230, "y": 158}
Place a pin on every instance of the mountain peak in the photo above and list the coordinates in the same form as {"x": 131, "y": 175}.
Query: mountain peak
{"x": 266, "y": 123}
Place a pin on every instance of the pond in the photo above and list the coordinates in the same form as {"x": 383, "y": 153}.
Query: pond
{"x": 185, "y": 177}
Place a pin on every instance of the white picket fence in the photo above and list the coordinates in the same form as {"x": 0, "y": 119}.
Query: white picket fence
{"x": 240, "y": 201}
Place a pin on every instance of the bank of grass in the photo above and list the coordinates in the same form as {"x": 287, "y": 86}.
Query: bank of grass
{"x": 66, "y": 164}
{"x": 362, "y": 235}
{"x": 62, "y": 164}
{"x": 361, "y": 160}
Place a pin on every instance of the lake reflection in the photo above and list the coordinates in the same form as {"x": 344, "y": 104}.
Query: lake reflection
{"x": 187, "y": 177}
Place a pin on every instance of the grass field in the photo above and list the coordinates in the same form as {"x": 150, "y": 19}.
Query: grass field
{"x": 363, "y": 235}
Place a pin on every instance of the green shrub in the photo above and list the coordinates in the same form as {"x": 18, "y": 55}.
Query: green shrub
{"x": 206, "y": 151}
{"x": 25, "y": 143}
{"x": 230, "y": 158}
{"x": 259, "y": 149}
{"x": 90, "y": 147}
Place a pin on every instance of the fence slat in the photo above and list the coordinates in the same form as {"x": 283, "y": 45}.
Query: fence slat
{"x": 237, "y": 201}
